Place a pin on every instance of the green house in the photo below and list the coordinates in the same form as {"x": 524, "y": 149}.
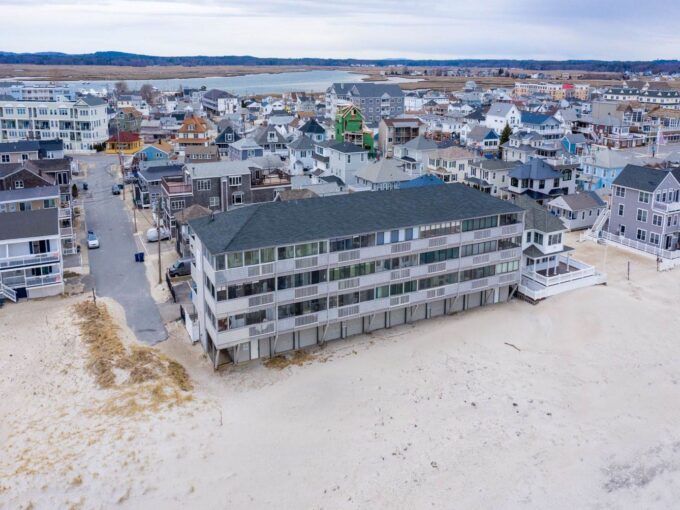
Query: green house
{"x": 350, "y": 127}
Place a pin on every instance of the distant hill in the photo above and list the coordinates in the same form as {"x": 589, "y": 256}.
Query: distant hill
{"x": 117, "y": 58}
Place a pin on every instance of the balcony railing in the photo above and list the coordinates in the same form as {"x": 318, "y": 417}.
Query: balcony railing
{"x": 172, "y": 187}
{"x": 666, "y": 207}
{"x": 272, "y": 179}
{"x": 30, "y": 260}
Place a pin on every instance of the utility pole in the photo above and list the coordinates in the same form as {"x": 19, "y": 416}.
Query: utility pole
{"x": 158, "y": 233}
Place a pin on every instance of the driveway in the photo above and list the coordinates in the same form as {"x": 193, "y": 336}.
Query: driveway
{"x": 116, "y": 274}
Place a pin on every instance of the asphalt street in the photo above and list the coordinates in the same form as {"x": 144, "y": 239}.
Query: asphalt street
{"x": 116, "y": 274}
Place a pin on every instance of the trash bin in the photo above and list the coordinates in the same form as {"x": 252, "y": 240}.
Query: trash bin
{"x": 85, "y": 186}
{"x": 139, "y": 256}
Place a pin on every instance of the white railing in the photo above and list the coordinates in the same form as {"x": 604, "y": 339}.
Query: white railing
{"x": 637, "y": 245}
{"x": 666, "y": 207}
{"x": 8, "y": 293}
{"x": 599, "y": 223}
{"x": 558, "y": 279}
{"x": 29, "y": 260}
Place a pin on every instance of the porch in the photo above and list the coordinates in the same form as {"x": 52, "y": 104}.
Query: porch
{"x": 562, "y": 274}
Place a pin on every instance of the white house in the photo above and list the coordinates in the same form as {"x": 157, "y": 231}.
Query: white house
{"x": 578, "y": 211}
{"x": 344, "y": 159}
{"x": 500, "y": 114}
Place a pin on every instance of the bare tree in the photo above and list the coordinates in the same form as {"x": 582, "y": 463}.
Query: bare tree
{"x": 148, "y": 93}
{"x": 121, "y": 87}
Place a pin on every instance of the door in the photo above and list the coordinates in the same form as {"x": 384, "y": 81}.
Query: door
{"x": 669, "y": 242}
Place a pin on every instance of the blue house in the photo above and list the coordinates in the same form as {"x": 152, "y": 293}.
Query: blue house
{"x": 245, "y": 148}
{"x": 600, "y": 168}
{"x": 574, "y": 143}
{"x": 159, "y": 151}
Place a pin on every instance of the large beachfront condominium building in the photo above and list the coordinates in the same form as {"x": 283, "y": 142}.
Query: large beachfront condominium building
{"x": 81, "y": 124}
{"x": 376, "y": 100}
{"x": 279, "y": 276}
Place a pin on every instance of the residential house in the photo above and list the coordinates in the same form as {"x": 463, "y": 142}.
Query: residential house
{"x": 578, "y": 211}
{"x": 350, "y": 128}
{"x": 245, "y": 148}
{"x": 548, "y": 268}
{"x": 125, "y": 143}
{"x": 501, "y": 115}
{"x": 645, "y": 210}
{"x": 220, "y": 102}
{"x": 483, "y": 140}
{"x": 491, "y": 176}
{"x": 546, "y": 125}
{"x": 281, "y": 276}
{"x": 300, "y": 155}
{"x": 415, "y": 154}
{"x": 344, "y": 159}
{"x": 194, "y": 131}
{"x": 313, "y": 130}
{"x": 600, "y": 167}
{"x": 147, "y": 189}
{"x": 133, "y": 101}
{"x": 398, "y": 131}
{"x": 451, "y": 164}
{"x": 31, "y": 258}
{"x": 17, "y": 152}
{"x": 272, "y": 140}
{"x": 201, "y": 154}
{"x": 183, "y": 234}
{"x": 226, "y": 137}
{"x": 159, "y": 151}
{"x": 385, "y": 174}
{"x": 541, "y": 181}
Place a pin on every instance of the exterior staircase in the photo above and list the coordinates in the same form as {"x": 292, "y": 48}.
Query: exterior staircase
{"x": 593, "y": 233}
{"x": 7, "y": 292}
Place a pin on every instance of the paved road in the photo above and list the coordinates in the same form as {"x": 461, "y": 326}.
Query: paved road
{"x": 116, "y": 274}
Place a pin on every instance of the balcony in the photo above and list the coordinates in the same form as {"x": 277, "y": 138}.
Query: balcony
{"x": 30, "y": 260}
{"x": 547, "y": 279}
{"x": 277, "y": 178}
{"x": 175, "y": 186}
{"x": 666, "y": 207}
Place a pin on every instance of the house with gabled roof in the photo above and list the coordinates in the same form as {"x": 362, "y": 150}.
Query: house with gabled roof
{"x": 579, "y": 210}
{"x": 645, "y": 211}
{"x": 415, "y": 154}
{"x": 541, "y": 181}
{"x": 385, "y": 174}
{"x": 546, "y": 125}
{"x": 500, "y": 115}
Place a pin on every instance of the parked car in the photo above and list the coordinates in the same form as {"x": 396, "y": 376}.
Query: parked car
{"x": 130, "y": 178}
{"x": 152, "y": 234}
{"x": 181, "y": 267}
{"x": 92, "y": 240}
{"x": 115, "y": 189}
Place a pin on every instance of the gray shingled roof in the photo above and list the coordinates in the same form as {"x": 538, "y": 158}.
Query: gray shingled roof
{"x": 302, "y": 143}
{"x": 368, "y": 89}
{"x": 641, "y": 177}
{"x": 37, "y": 192}
{"x": 23, "y": 224}
{"x": 537, "y": 216}
{"x": 583, "y": 200}
{"x": 20, "y": 146}
{"x": 297, "y": 221}
{"x": 312, "y": 127}
{"x": 420, "y": 143}
{"x": 535, "y": 168}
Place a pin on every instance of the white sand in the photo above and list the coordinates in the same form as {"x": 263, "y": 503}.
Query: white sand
{"x": 441, "y": 414}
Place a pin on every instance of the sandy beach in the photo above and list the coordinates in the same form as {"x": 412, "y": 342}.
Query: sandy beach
{"x": 566, "y": 404}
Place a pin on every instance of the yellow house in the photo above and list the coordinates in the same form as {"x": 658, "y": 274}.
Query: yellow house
{"x": 125, "y": 142}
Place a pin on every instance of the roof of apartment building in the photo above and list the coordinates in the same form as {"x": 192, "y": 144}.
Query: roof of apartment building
{"x": 225, "y": 168}
{"x": 536, "y": 118}
{"x": 643, "y": 178}
{"x": 157, "y": 172}
{"x": 279, "y": 223}
{"x": 92, "y": 100}
{"x": 497, "y": 165}
{"x": 345, "y": 147}
{"x": 27, "y": 224}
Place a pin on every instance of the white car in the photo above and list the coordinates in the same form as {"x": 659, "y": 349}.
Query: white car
{"x": 152, "y": 234}
{"x": 92, "y": 240}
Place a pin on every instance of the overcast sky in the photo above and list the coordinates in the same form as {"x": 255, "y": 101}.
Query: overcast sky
{"x": 538, "y": 29}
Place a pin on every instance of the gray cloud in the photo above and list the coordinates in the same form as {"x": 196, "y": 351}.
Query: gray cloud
{"x": 620, "y": 29}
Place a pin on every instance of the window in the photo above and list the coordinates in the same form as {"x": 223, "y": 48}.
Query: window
{"x": 480, "y": 223}
{"x": 176, "y": 204}
{"x": 641, "y": 234}
{"x": 18, "y": 184}
{"x": 620, "y": 209}
{"x": 251, "y": 257}
{"x": 654, "y": 238}
{"x": 234, "y": 180}
{"x": 642, "y": 215}
{"x": 538, "y": 238}
{"x": 643, "y": 197}
{"x": 5, "y": 158}
{"x": 203, "y": 185}
{"x": 214, "y": 201}
{"x": 478, "y": 248}
{"x": 237, "y": 198}
{"x": 622, "y": 230}
{"x": 235, "y": 259}
{"x": 554, "y": 239}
